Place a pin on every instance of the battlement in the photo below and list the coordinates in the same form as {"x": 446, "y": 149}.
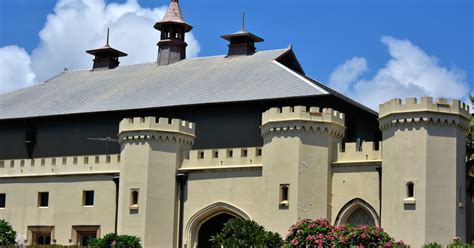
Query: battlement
{"x": 60, "y": 165}
{"x": 303, "y": 113}
{"x": 223, "y": 158}
{"x": 367, "y": 152}
{"x": 425, "y": 104}
{"x": 154, "y": 124}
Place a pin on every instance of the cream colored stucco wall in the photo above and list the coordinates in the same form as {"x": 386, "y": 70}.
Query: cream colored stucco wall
{"x": 65, "y": 204}
{"x": 354, "y": 181}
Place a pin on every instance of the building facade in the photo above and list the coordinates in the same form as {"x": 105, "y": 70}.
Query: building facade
{"x": 169, "y": 151}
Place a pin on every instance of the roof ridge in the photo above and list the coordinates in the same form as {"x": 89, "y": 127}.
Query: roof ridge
{"x": 153, "y": 62}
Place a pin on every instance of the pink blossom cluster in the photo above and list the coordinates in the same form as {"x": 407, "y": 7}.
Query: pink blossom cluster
{"x": 320, "y": 233}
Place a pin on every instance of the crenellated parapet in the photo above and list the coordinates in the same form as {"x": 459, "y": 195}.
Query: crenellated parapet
{"x": 56, "y": 166}
{"x": 303, "y": 119}
{"x": 352, "y": 153}
{"x": 161, "y": 129}
{"x": 424, "y": 112}
{"x": 224, "y": 158}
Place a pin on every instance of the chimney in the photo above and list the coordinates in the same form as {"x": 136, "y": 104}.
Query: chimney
{"x": 241, "y": 42}
{"x": 106, "y": 57}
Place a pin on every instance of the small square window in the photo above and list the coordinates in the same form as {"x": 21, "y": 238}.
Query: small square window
{"x": 244, "y": 152}
{"x": 230, "y": 153}
{"x": 3, "y": 198}
{"x": 259, "y": 152}
{"x": 43, "y": 199}
{"x": 88, "y": 198}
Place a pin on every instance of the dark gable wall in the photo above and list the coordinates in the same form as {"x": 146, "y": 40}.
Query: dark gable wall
{"x": 218, "y": 126}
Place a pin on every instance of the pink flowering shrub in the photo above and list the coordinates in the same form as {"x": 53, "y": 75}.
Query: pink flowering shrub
{"x": 320, "y": 233}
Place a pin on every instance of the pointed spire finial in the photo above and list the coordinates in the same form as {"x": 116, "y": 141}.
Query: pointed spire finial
{"x": 243, "y": 21}
{"x": 107, "y": 41}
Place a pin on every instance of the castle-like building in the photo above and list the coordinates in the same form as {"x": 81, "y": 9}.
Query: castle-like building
{"x": 169, "y": 151}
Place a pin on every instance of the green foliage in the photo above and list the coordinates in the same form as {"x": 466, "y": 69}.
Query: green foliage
{"x": 320, "y": 233}
{"x": 432, "y": 245}
{"x": 53, "y": 246}
{"x": 458, "y": 243}
{"x": 7, "y": 234}
{"x": 470, "y": 137}
{"x": 245, "y": 233}
{"x": 116, "y": 241}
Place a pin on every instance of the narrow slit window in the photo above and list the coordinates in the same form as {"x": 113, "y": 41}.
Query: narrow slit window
{"x": 230, "y": 153}
{"x": 134, "y": 194}
{"x": 284, "y": 195}
{"x": 410, "y": 189}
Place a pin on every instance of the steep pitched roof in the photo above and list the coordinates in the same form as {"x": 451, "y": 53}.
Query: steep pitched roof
{"x": 191, "y": 81}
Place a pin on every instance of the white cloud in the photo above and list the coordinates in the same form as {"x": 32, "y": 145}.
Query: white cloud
{"x": 409, "y": 72}
{"x": 15, "y": 69}
{"x": 346, "y": 73}
{"x": 78, "y": 25}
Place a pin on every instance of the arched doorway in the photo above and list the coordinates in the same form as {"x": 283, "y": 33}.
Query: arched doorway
{"x": 211, "y": 227}
{"x": 206, "y": 221}
{"x": 357, "y": 212}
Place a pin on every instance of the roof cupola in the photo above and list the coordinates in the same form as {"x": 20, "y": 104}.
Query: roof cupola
{"x": 242, "y": 42}
{"x": 172, "y": 47}
{"x": 106, "y": 57}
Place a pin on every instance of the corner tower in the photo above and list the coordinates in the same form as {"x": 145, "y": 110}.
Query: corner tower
{"x": 424, "y": 169}
{"x": 298, "y": 143}
{"x": 172, "y": 47}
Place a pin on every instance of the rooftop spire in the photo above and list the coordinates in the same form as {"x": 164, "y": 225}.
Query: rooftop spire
{"x": 106, "y": 57}
{"x": 173, "y": 16}
{"x": 172, "y": 47}
{"x": 242, "y": 42}
{"x": 107, "y": 42}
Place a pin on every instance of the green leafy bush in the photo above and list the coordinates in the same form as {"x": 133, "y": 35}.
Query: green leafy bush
{"x": 245, "y": 233}
{"x": 53, "y": 246}
{"x": 432, "y": 245}
{"x": 116, "y": 241}
{"x": 458, "y": 243}
{"x": 320, "y": 233}
{"x": 7, "y": 234}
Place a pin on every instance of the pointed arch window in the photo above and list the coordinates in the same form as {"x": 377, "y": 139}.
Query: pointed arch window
{"x": 357, "y": 212}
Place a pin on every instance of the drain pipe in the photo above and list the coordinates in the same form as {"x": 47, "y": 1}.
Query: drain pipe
{"x": 379, "y": 171}
{"x": 116, "y": 180}
{"x": 181, "y": 177}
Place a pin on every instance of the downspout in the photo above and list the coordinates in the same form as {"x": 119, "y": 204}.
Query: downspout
{"x": 181, "y": 177}
{"x": 379, "y": 171}
{"x": 116, "y": 180}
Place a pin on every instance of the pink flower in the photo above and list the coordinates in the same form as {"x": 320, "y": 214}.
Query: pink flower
{"x": 388, "y": 244}
{"x": 294, "y": 242}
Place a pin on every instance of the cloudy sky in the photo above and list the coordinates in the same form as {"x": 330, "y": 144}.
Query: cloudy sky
{"x": 369, "y": 50}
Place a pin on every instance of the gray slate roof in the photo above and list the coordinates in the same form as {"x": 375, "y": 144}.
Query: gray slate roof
{"x": 191, "y": 81}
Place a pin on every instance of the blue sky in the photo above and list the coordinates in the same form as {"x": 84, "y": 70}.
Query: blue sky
{"x": 326, "y": 35}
